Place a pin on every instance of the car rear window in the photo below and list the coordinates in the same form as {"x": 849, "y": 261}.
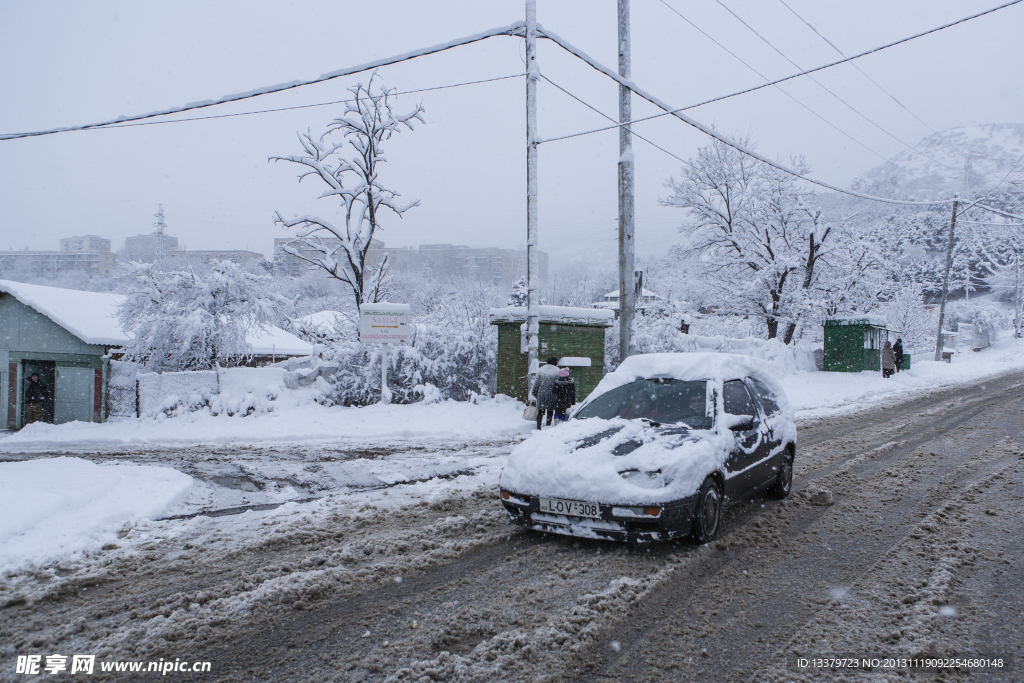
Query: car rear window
{"x": 666, "y": 401}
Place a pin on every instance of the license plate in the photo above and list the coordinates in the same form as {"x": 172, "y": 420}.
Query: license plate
{"x": 576, "y": 508}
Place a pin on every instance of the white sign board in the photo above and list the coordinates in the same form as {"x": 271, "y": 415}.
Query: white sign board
{"x": 384, "y": 323}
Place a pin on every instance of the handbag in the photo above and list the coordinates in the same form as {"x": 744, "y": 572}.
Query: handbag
{"x": 530, "y": 413}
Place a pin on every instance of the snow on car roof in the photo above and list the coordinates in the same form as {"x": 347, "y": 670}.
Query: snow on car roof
{"x": 92, "y": 317}
{"x": 691, "y": 366}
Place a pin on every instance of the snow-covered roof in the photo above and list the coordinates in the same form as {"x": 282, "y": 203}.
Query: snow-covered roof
{"x": 324, "y": 323}
{"x": 554, "y": 314}
{"x": 860, "y": 319}
{"x": 646, "y": 292}
{"x": 92, "y": 317}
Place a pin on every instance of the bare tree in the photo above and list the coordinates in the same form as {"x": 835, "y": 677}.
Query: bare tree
{"x": 340, "y": 249}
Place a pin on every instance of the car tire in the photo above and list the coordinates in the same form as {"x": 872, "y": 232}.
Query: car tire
{"x": 784, "y": 479}
{"x": 707, "y": 515}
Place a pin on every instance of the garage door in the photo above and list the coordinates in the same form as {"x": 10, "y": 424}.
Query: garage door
{"x": 73, "y": 395}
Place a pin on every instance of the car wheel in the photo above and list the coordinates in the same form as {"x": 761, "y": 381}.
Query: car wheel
{"x": 708, "y": 513}
{"x": 784, "y": 479}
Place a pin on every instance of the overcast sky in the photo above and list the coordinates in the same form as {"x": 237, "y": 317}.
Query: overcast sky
{"x": 67, "y": 63}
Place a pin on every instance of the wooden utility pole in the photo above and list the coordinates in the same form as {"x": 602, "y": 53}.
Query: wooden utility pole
{"x": 945, "y": 280}
{"x": 627, "y": 299}
{"x": 532, "y": 260}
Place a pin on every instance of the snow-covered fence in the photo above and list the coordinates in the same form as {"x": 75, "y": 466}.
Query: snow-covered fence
{"x": 164, "y": 391}
{"x": 777, "y": 355}
{"x": 122, "y": 397}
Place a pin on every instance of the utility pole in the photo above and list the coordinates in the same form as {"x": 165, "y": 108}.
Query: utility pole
{"x": 627, "y": 299}
{"x": 532, "y": 260}
{"x": 945, "y": 279}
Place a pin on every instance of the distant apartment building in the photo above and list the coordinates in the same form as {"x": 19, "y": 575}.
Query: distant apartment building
{"x": 145, "y": 248}
{"x": 239, "y": 256}
{"x": 500, "y": 267}
{"x": 86, "y": 254}
{"x": 85, "y": 243}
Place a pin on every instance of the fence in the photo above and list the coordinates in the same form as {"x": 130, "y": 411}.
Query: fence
{"x": 133, "y": 394}
{"x": 122, "y": 390}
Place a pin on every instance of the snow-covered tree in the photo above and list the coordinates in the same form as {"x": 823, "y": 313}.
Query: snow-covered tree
{"x": 180, "y": 320}
{"x": 340, "y": 246}
{"x": 518, "y": 295}
{"x": 759, "y": 242}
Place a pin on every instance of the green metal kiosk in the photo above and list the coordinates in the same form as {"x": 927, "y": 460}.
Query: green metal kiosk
{"x": 854, "y": 344}
{"x": 573, "y": 334}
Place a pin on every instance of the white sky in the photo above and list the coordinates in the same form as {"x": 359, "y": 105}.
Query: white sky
{"x": 66, "y": 63}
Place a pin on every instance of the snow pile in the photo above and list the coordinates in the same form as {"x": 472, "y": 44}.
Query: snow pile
{"x": 56, "y": 507}
{"x": 663, "y": 336}
{"x": 818, "y": 394}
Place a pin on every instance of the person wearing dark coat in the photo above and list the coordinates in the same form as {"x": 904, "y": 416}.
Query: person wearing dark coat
{"x": 543, "y": 388}
{"x": 565, "y": 394}
{"x": 897, "y": 351}
{"x": 888, "y": 360}
{"x": 36, "y": 395}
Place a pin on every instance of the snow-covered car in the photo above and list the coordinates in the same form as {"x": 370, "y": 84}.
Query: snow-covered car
{"x": 656, "y": 451}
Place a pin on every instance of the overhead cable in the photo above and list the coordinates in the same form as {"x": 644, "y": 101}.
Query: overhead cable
{"x": 298, "y": 106}
{"x": 568, "y": 47}
{"x": 765, "y": 78}
{"x": 512, "y": 29}
{"x": 826, "y": 89}
{"x": 803, "y": 73}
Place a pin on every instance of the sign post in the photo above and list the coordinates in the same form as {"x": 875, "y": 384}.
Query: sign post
{"x": 384, "y": 324}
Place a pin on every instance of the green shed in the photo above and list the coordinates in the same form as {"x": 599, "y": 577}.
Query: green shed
{"x": 574, "y": 334}
{"x": 854, "y": 344}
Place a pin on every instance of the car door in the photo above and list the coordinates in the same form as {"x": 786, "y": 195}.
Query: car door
{"x": 768, "y": 467}
{"x": 749, "y": 445}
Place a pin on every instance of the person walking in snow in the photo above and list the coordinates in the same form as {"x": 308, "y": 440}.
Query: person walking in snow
{"x": 565, "y": 394}
{"x": 888, "y": 360}
{"x": 36, "y": 394}
{"x": 543, "y": 388}
{"x": 897, "y": 351}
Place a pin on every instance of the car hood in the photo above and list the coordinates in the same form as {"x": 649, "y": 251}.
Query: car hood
{"x": 584, "y": 459}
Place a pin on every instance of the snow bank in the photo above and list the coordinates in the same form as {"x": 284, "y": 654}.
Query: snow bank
{"x": 817, "y": 394}
{"x": 56, "y": 507}
{"x": 487, "y": 419}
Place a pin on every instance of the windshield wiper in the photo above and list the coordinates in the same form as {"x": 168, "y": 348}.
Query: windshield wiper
{"x": 651, "y": 422}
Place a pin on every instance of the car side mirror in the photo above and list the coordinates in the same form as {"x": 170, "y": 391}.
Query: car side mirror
{"x": 741, "y": 423}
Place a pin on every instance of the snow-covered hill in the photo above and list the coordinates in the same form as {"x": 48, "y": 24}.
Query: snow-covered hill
{"x": 961, "y": 159}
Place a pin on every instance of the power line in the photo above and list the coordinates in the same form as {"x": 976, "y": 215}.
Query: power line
{"x": 830, "y": 92}
{"x": 865, "y": 75}
{"x": 796, "y": 75}
{"x": 765, "y": 78}
{"x": 510, "y": 30}
{"x": 597, "y": 66}
{"x": 300, "y": 106}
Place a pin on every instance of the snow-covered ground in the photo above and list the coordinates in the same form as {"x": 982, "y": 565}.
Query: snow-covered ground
{"x": 58, "y": 507}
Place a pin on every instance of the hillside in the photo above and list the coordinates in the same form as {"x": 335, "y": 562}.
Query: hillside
{"x": 960, "y": 159}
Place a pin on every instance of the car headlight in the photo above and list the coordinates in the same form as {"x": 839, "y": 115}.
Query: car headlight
{"x": 645, "y": 480}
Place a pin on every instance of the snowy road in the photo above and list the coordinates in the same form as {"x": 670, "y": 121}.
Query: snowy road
{"x": 918, "y": 552}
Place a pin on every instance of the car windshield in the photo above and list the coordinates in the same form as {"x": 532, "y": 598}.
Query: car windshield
{"x": 661, "y": 400}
